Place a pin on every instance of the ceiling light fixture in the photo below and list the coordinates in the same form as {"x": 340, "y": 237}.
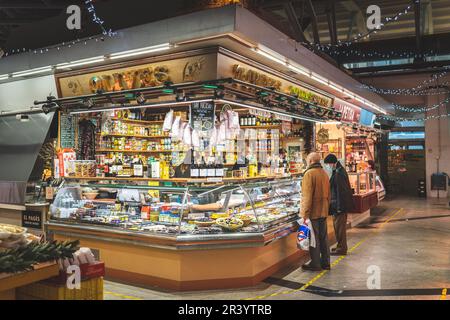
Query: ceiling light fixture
{"x": 81, "y": 62}
{"x": 135, "y": 52}
{"x": 31, "y": 72}
{"x": 150, "y": 105}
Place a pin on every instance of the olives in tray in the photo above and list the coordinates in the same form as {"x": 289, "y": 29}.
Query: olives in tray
{"x": 231, "y": 224}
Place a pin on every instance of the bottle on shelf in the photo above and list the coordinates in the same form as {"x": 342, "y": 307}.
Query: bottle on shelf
{"x": 138, "y": 167}
{"x": 219, "y": 166}
{"x": 211, "y": 169}
{"x": 202, "y": 172}
{"x": 194, "y": 172}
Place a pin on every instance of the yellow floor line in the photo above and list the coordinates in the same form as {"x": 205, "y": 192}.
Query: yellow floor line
{"x": 444, "y": 294}
{"x": 121, "y": 295}
{"x": 320, "y": 275}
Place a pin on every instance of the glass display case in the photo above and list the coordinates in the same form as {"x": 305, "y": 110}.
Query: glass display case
{"x": 362, "y": 182}
{"x": 174, "y": 211}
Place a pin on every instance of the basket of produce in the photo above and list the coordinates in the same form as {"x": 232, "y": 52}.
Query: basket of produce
{"x": 230, "y": 224}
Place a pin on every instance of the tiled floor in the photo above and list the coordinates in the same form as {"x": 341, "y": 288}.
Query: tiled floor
{"x": 407, "y": 240}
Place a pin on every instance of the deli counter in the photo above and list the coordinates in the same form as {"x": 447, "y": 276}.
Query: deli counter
{"x": 366, "y": 187}
{"x": 183, "y": 237}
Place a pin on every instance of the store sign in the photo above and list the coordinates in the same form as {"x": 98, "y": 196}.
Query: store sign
{"x": 130, "y": 79}
{"x": 32, "y": 219}
{"x": 349, "y": 112}
{"x": 194, "y": 68}
{"x": 254, "y": 77}
{"x": 202, "y": 115}
{"x": 310, "y": 96}
{"x": 367, "y": 118}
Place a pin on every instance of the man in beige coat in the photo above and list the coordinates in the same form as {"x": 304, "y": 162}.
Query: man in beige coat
{"x": 315, "y": 205}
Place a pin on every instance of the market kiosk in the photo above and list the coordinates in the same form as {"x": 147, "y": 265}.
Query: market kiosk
{"x": 353, "y": 140}
{"x": 208, "y": 201}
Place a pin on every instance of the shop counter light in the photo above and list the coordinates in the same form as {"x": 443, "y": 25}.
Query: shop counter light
{"x": 32, "y": 72}
{"x": 181, "y": 103}
{"x": 272, "y": 55}
{"x": 79, "y": 63}
{"x": 4, "y": 76}
{"x": 269, "y": 54}
{"x": 136, "y": 52}
{"x": 149, "y": 105}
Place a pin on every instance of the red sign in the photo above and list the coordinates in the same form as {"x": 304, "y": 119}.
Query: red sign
{"x": 350, "y": 113}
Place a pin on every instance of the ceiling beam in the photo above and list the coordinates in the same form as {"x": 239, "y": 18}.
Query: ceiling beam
{"x": 418, "y": 29}
{"x": 294, "y": 22}
{"x": 331, "y": 17}
{"x": 314, "y": 23}
{"x": 15, "y": 22}
{"x": 427, "y": 18}
{"x": 31, "y": 5}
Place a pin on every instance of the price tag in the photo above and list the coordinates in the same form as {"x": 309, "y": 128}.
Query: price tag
{"x": 49, "y": 193}
{"x": 214, "y": 179}
{"x": 153, "y": 183}
{"x": 194, "y": 216}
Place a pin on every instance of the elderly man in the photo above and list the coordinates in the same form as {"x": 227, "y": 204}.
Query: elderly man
{"x": 315, "y": 206}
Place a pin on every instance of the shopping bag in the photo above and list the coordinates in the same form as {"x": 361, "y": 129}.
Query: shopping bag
{"x": 305, "y": 235}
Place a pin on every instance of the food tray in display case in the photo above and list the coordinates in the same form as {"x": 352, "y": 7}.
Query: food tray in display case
{"x": 190, "y": 213}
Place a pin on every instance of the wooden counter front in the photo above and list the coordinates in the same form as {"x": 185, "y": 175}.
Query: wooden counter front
{"x": 165, "y": 262}
{"x": 9, "y": 282}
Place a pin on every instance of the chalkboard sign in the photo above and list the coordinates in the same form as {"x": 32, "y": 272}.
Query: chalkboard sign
{"x": 67, "y": 124}
{"x": 32, "y": 219}
{"x": 202, "y": 115}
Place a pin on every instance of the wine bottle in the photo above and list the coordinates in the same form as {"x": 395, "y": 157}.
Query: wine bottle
{"x": 202, "y": 169}
{"x": 138, "y": 167}
{"x": 219, "y": 167}
{"x": 211, "y": 169}
{"x": 194, "y": 169}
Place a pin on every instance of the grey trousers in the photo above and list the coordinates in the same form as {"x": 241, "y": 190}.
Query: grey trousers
{"x": 340, "y": 230}
{"x": 320, "y": 255}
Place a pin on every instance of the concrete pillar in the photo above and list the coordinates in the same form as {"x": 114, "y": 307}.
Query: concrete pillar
{"x": 437, "y": 143}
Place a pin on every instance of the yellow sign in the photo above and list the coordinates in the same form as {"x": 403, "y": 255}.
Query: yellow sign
{"x": 254, "y": 77}
{"x": 310, "y": 96}
{"x": 195, "y": 68}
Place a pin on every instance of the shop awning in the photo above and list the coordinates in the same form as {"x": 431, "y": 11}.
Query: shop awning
{"x": 20, "y": 143}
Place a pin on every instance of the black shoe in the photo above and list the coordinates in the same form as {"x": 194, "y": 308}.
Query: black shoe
{"x": 326, "y": 267}
{"x": 308, "y": 267}
{"x": 338, "y": 253}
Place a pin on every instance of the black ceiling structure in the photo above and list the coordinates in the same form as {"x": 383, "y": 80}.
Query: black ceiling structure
{"x": 423, "y": 32}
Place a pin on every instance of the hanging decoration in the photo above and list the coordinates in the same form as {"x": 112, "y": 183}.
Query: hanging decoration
{"x": 361, "y": 36}
{"x": 430, "y": 117}
{"x": 420, "y": 89}
{"x": 375, "y": 54}
{"x": 418, "y": 109}
{"x": 95, "y": 18}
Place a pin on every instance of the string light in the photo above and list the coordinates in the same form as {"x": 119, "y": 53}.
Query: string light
{"x": 417, "y": 109}
{"x": 420, "y": 89}
{"x": 361, "y": 36}
{"x": 95, "y": 18}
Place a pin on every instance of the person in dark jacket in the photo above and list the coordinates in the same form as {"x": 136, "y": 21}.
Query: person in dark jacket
{"x": 341, "y": 202}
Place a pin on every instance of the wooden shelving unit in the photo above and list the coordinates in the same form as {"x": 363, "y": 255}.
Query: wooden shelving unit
{"x": 133, "y": 136}
{"x": 176, "y": 180}
{"x": 143, "y": 122}
{"x": 138, "y": 151}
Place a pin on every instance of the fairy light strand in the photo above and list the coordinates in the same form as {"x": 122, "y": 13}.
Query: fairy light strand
{"x": 68, "y": 44}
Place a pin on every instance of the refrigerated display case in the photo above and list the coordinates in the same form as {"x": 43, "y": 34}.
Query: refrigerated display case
{"x": 178, "y": 237}
{"x": 365, "y": 191}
